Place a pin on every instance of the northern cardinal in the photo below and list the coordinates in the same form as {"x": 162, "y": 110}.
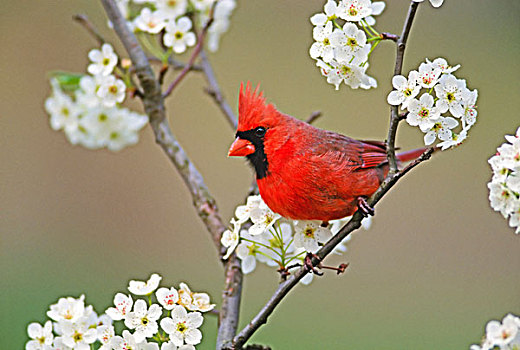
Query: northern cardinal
{"x": 306, "y": 173}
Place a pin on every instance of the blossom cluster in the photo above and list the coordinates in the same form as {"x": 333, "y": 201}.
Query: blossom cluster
{"x": 446, "y": 110}
{"x": 87, "y": 107}
{"x": 274, "y": 240}
{"x": 172, "y": 21}
{"x": 504, "y": 335}
{"x": 341, "y": 48}
{"x": 74, "y": 325}
{"x": 344, "y": 39}
{"x": 504, "y": 188}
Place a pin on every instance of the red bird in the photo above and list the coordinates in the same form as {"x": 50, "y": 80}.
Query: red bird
{"x": 306, "y": 173}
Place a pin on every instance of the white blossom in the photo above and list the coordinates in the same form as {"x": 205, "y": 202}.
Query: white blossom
{"x": 504, "y": 188}
{"x": 123, "y": 305}
{"x": 129, "y": 342}
{"x": 349, "y": 43}
{"x": 429, "y": 75}
{"x": 469, "y": 100}
{"x": 172, "y": 8}
{"x": 67, "y": 309}
{"x": 41, "y": 337}
{"x": 330, "y": 72}
{"x": 194, "y": 301}
{"x": 443, "y": 65}
{"x": 263, "y": 219}
{"x": 182, "y": 327}
{"x": 441, "y": 129}
{"x": 243, "y": 212}
{"x": 167, "y": 297}
{"x": 230, "y": 238}
{"x": 456, "y": 139}
{"x": 322, "y": 47}
{"x": 150, "y": 22}
{"x": 405, "y": 89}
{"x": 449, "y": 91}
{"x": 505, "y": 333}
{"x": 423, "y": 113}
{"x": 354, "y": 10}
{"x": 221, "y": 22}
{"x": 201, "y": 302}
{"x": 105, "y": 334}
{"x": 352, "y": 74}
{"x": 377, "y": 9}
{"x": 103, "y": 61}
{"x": 77, "y": 335}
{"x": 250, "y": 250}
{"x": 111, "y": 91}
{"x": 61, "y": 108}
{"x": 143, "y": 320}
{"x": 331, "y": 13}
{"x": 309, "y": 235}
{"x": 178, "y": 36}
{"x": 144, "y": 288}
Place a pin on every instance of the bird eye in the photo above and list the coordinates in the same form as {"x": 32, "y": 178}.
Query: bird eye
{"x": 260, "y": 131}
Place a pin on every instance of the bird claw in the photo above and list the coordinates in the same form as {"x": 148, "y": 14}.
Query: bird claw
{"x": 307, "y": 262}
{"x": 364, "y": 207}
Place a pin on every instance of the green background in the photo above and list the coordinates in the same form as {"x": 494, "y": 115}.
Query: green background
{"x": 436, "y": 265}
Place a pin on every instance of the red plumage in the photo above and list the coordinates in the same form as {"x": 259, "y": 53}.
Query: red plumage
{"x": 303, "y": 172}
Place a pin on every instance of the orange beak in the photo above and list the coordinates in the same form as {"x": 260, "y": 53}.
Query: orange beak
{"x": 241, "y": 148}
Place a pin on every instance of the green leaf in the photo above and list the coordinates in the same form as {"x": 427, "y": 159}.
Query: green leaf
{"x": 68, "y": 81}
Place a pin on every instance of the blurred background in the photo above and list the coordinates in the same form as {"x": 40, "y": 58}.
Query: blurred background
{"x": 436, "y": 265}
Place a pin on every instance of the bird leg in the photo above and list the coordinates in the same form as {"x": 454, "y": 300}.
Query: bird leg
{"x": 364, "y": 207}
{"x": 324, "y": 224}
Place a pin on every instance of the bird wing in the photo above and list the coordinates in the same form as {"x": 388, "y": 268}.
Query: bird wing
{"x": 345, "y": 152}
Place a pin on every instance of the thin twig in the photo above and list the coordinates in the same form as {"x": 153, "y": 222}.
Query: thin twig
{"x": 285, "y": 287}
{"x": 389, "y": 36}
{"x": 394, "y": 117}
{"x": 313, "y": 117}
{"x": 214, "y": 90}
{"x": 162, "y": 73}
{"x": 85, "y": 22}
{"x": 194, "y": 55}
{"x": 176, "y": 65}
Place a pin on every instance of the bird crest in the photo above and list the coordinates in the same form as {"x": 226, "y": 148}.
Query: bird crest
{"x": 253, "y": 110}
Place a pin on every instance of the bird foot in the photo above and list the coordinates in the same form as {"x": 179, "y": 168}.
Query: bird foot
{"x": 364, "y": 207}
{"x": 307, "y": 262}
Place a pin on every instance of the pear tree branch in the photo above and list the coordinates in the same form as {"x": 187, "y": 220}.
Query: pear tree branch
{"x": 154, "y": 107}
{"x": 195, "y": 53}
{"x": 214, "y": 90}
{"x": 394, "y": 115}
{"x": 85, "y": 22}
{"x": 204, "y": 203}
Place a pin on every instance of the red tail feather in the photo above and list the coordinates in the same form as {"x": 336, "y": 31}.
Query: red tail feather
{"x": 410, "y": 155}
